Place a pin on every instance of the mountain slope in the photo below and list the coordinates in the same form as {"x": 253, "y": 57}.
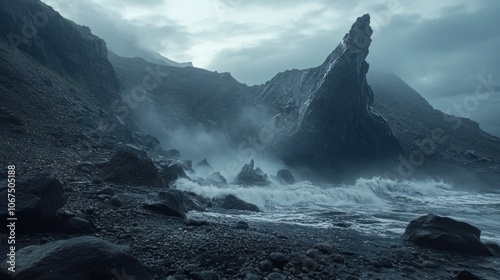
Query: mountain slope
{"x": 435, "y": 143}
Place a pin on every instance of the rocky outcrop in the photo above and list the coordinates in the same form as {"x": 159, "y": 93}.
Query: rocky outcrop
{"x": 324, "y": 115}
{"x": 250, "y": 176}
{"x": 38, "y": 197}
{"x": 446, "y": 234}
{"x": 79, "y": 258}
{"x": 131, "y": 168}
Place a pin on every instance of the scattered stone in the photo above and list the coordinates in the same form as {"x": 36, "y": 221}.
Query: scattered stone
{"x": 313, "y": 253}
{"x": 446, "y": 234}
{"x": 85, "y": 167}
{"x": 284, "y": 176}
{"x": 266, "y": 266}
{"x": 196, "y": 222}
{"x": 385, "y": 263}
{"x": 310, "y": 264}
{"x": 128, "y": 167}
{"x": 115, "y": 201}
{"x": 276, "y": 276}
{"x": 209, "y": 275}
{"x": 429, "y": 264}
{"x": 78, "y": 258}
{"x": 324, "y": 247}
{"x": 466, "y": 275}
{"x": 251, "y": 276}
{"x": 277, "y": 257}
{"x": 241, "y": 225}
{"x": 339, "y": 259}
{"x": 106, "y": 191}
{"x": 76, "y": 225}
{"x": 233, "y": 202}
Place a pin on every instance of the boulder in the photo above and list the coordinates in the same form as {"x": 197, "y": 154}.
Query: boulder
{"x": 38, "y": 197}
{"x": 466, "y": 275}
{"x": 284, "y": 176}
{"x": 128, "y": 167}
{"x": 446, "y": 234}
{"x": 250, "y": 176}
{"x": 170, "y": 204}
{"x": 233, "y": 202}
{"x": 80, "y": 258}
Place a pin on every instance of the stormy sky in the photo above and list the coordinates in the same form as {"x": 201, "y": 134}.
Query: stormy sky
{"x": 449, "y": 51}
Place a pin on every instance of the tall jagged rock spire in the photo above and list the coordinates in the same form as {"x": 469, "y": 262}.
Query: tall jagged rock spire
{"x": 334, "y": 122}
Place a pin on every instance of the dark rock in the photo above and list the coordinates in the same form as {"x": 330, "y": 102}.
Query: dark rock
{"x": 85, "y": 167}
{"x": 37, "y": 201}
{"x": 338, "y": 258}
{"x": 131, "y": 168}
{"x": 276, "y": 276}
{"x": 189, "y": 200}
{"x": 177, "y": 277}
{"x": 232, "y": 202}
{"x": 106, "y": 190}
{"x": 313, "y": 253}
{"x": 170, "y": 205}
{"x": 76, "y": 225}
{"x": 310, "y": 264}
{"x": 172, "y": 173}
{"x": 266, "y": 266}
{"x": 466, "y": 275}
{"x": 277, "y": 257}
{"x": 196, "y": 223}
{"x": 80, "y": 258}
{"x": 209, "y": 275}
{"x": 284, "y": 176}
{"x": 241, "y": 225}
{"x": 115, "y": 201}
{"x": 216, "y": 177}
{"x": 191, "y": 267}
{"x": 251, "y": 276}
{"x": 249, "y": 176}
{"x": 324, "y": 247}
{"x": 195, "y": 275}
{"x": 350, "y": 277}
{"x": 446, "y": 234}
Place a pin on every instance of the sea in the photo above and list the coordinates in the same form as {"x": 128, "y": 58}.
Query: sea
{"x": 374, "y": 206}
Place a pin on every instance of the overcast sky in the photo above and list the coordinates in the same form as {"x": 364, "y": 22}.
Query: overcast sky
{"x": 446, "y": 50}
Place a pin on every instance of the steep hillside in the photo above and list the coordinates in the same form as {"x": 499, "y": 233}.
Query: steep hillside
{"x": 435, "y": 143}
{"x": 57, "y": 87}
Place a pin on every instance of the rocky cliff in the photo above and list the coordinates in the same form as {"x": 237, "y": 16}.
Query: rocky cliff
{"x": 57, "y": 43}
{"x": 324, "y": 115}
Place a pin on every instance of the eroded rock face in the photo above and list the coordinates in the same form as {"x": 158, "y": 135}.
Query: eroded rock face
{"x": 324, "y": 115}
{"x": 79, "y": 258}
{"x": 446, "y": 234}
